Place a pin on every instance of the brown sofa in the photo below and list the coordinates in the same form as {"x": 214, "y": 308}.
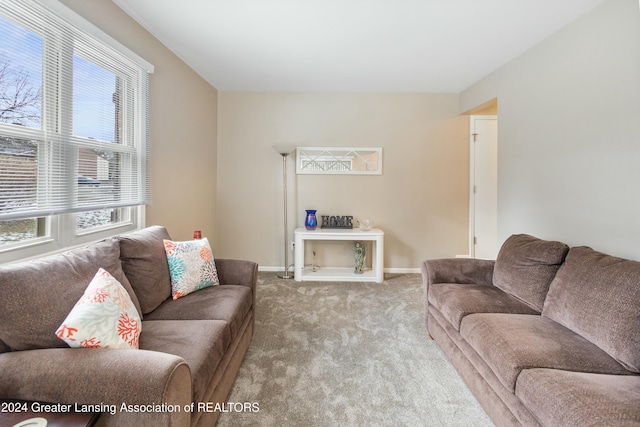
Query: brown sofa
{"x": 190, "y": 348}
{"x": 544, "y": 335}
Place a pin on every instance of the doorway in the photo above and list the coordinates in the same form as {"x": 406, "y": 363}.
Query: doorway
{"x": 483, "y": 189}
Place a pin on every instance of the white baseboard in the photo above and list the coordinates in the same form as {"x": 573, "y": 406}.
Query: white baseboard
{"x": 402, "y": 270}
{"x": 272, "y": 269}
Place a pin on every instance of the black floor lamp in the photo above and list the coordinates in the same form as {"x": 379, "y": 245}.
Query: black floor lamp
{"x": 284, "y": 151}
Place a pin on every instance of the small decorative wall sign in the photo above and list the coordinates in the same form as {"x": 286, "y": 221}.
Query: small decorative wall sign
{"x": 339, "y": 160}
{"x": 337, "y": 221}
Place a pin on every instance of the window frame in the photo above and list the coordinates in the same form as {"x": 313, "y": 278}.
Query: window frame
{"x": 60, "y": 230}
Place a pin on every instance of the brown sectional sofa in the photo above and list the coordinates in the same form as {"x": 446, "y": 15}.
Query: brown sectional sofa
{"x": 544, "y": 335}
{"x": 190, "y": 348}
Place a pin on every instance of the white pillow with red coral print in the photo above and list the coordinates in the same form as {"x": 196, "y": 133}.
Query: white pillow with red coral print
{"x": 104, "y": 317}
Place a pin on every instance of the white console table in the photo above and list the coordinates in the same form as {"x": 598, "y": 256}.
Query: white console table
{"x": 375, "y": 274}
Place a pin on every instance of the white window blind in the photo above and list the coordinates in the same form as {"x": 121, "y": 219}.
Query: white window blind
{"x": 73, "y": 114}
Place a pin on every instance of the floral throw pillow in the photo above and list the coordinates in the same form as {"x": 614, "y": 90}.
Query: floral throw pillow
{"x": 104, "y": 317}
{"x": 191, "y": 266}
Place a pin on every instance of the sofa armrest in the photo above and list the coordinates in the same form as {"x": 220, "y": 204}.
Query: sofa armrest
{"x": 237, "y": 272}
{"x": 454, "y": 270}
{"x": 458, "y": 270}
{"x": 101, "y": 377}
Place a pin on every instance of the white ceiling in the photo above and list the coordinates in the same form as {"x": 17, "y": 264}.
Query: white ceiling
{"x": 350, "y": 45}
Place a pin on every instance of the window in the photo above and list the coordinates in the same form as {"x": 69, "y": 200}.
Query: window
{"x": 73, "y": 150}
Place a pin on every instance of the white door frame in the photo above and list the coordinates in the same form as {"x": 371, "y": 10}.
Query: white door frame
{"x": 472, "y": 170}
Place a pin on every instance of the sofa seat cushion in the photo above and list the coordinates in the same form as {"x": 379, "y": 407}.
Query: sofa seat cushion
{"x": 201, "y": 343}
{"x": 565, "y": 398}
{"x": 598, "y": 296}
{"x": 144, "y": 261}
{"x": 454, "y": 301}
{"x": 526, "y": 265}
{"x": 38, "y": 295}
{"x": 225, "y": 302}
{"x": 509, "y": 343}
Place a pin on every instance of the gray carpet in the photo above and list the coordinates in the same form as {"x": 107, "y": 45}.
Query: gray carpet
{"x": 347, "y": 354}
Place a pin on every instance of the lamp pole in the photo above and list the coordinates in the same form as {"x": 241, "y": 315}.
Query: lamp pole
{"x": 284, "y": 152}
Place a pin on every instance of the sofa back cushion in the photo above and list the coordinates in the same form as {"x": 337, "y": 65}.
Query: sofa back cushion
{"x": 38, "y": 295}
{"x": 144, "y": 261}
{"x": 525, "y": 267}
{"x": 598, "y": 296}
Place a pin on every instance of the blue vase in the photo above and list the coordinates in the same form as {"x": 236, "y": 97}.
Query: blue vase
{"x": 311, "y": 222}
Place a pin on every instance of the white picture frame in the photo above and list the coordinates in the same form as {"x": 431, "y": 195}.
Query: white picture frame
{"x": 339, "y": 160}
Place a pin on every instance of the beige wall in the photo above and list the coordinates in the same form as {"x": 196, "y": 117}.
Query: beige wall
{"x": 182, "y": 126}
{"x": 568, "y": 148}
{"x": 420, "y": 200}
{"x": 568, "y": 134}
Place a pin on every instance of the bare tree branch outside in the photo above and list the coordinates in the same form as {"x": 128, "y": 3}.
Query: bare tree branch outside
{"x": 19, "y": 100}
{"x": 19, "y": 105}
